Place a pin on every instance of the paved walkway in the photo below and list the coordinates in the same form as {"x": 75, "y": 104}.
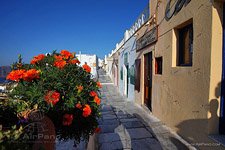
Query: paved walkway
{"x": 126, "y": 125}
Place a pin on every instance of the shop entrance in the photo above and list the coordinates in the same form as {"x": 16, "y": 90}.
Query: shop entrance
{"x": 148, "y": 80}
{"x": 222, "y": 103}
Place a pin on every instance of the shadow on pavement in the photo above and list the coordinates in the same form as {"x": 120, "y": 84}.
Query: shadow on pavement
{"x": 121, "y": 130}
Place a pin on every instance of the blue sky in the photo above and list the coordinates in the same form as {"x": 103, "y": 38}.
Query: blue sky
{"x": 31, "y": 27}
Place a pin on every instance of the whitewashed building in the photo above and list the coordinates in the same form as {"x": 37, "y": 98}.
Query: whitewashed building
{"x": 121, "y": 60}
{"x": 91, "y": 60}
{"x": 100, "y": 63}
{"x": 2, "y": 88}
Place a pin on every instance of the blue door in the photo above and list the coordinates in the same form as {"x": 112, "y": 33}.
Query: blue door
{"x": 222, "y": 106}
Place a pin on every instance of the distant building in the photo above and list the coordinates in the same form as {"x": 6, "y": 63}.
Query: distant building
{"x": 92, "y": 61}
{"x": 4, "y": 70}
{"x": 2, "y": 88}
{"x": 105, "y": 64}
{"x": 120, "y": 63}
{"x": 100, "y": 63}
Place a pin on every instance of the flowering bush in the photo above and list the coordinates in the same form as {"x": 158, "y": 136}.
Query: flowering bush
{"x": 56, "y": 85}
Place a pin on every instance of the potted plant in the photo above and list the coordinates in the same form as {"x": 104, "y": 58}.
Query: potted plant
{"x": 55, "y": 88}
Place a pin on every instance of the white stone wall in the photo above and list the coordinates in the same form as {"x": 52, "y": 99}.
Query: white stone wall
{"x": 2, "y": 87}
{"x": 100, "y": 62}
{"x": 91, "y": 60}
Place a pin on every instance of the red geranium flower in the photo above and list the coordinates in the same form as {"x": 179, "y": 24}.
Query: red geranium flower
{"x": 37, "y": 59}
{"x": 60, "y": 64}
{"x": 86, "y": 110}
{"x": 93, "y": 94}
{"x": 78, "y": 105}
{"x": 52, "y": 97}
{"x": 15, "y": 75}
{"x": 31, "y": 74}
{"x": 99, "y": 84}
{"x": 97, "y": 130}
{"x": 80, "y": 88}
{"x": 97, "y": 100}
{"x": 74, "y": 61}
{"x": 66, "y": 54}
{"x": 67, "y": 119}
{"x": 86, "y": 68}
{"x": 58, "y": 57}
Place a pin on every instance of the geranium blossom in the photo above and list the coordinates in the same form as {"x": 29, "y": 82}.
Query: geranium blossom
{"x": 67, "y": 119}
{"x": 86, "y": 111}
{"x": 97, "y": 130}
{"x": 15, "y": 75}
{"x": 60, "y": 64}
{"x": 99, "y": 84}
{"x": 37, "y": 58}
{"x": 31, "y": 74}
{"x": 58, "y": 57}
{"x": 66, "y": 54}
{"x": 93, "y": 94}
{"x": 86, "y": 68}
{"x": 74, "y": 61}
{"x": 97, "y": 100}
{"x": 78, "y": 105}
{"x": 52, "y": 97}
{"x": 80, "y": 88}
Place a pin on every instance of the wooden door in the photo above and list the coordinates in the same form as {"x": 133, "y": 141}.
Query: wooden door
{"x": 148, "y": 80}
{"x": 137, "y": 74}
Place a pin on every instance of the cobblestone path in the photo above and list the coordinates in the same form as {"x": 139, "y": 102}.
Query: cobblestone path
{"x": 125, "y": 125}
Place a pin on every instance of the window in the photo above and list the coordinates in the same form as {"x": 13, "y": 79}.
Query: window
{"x": 185, "y": 45}
{"x": 158, "y": 65}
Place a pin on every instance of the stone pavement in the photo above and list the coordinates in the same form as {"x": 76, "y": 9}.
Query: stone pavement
{"x": 126, "y": 125}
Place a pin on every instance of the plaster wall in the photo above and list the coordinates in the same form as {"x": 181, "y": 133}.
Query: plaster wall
{"x": 184, "y": 97}
{"x": 121, "y": 88}
{"x": 130, "y": 48}
{"x": 2, "y": 87}
{"x": 91, "y": 60}
{"x": 110, "y": 67}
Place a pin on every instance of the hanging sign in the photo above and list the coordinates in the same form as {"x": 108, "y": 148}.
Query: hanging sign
{"x": 147, "y": 39}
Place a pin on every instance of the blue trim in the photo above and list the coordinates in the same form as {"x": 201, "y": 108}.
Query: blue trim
{"x": 222, "y": 103}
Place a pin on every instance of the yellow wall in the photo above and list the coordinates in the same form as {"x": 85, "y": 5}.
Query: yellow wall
{"x": 182, "y": 95}
{"x": 216, "y": 69}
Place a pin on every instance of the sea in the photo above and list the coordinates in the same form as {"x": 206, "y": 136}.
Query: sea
{"x": 3, "y": 80}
